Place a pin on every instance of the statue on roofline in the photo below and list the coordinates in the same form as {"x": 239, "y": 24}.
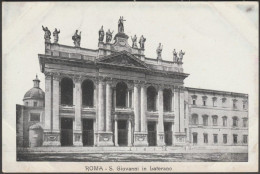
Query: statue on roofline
{"x": 175, "y": 56}
{"x": 76, "y": 38}
{"x": 159, "y": 51}
{"x": 56, "y": 35}
{"x": 101, "y": 34}
{"x": 47, "y": 34}
{"x": 142, "y": 41}
{"x": 121, "y": 24}
{"x": 134, "y": 40}
{"x": 181, "y": 53}
{"x": 109, "y": 36}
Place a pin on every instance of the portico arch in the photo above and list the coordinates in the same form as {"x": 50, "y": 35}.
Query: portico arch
{"x": 121, "y": 94}
{"x": 66, "y": 86}
{"x": 87, "y": 93}
{"x": 151, "y": 98}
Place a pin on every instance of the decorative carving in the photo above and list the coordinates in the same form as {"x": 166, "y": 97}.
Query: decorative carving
{"x": 121, "y": 24}
{"x": 109, "y": 36}
{"x": 77, "y": 79}
{"x": 76, "y": 38}
{"x": 48, "y": 75}
{"x": 124, "y": 60}
{"x": 56, "y": 35}
{"x": 56, "y": 76}
{"x": 47, "y": 34}
{"x": 159, "y": 51}
{"x": 142, "y": 41}
{"x": 101, "y": 34}
{"x": 134, "y": 40}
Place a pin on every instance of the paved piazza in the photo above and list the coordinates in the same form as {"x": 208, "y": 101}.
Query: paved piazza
{"x": 130, "y": 157}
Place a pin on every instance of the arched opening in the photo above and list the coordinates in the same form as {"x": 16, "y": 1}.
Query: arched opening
{"x": 87, "y": 93}
{"x": 205, "y": 120}
{"x": 66, "y": 91}
{"x": 167, "y": 100}
{"x": 151, "y": 98}
{"x": 121, "y": 92}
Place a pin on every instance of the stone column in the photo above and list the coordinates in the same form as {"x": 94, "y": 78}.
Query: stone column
{"x": 108, "y": 107}
{"x": 136, "y": 108}
{"x": 101, "y": 125}
{"x": 116, "y": 133}
{"x": 173, "y": 133}
{"x": 160, "y": 130}
{"x": 176, "y": 110}
{"x": 181, "y": 110}
{"x": 143, "y": 108}
{"x": 129, "y": 132}
{"x": 77, "y": 131}
{"x": 173, "y": 101}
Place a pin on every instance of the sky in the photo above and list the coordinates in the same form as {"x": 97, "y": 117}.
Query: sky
{"x": 220, "y": 40}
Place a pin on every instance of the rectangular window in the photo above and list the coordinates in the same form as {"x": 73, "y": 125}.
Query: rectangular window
{"x": 215, "y": 121}
{"x": 204, "y": 102}
{"x": 244, "y": 122}
{"x": 245, "y": 139}
{"x": 235, "y": 122}
{"x": 195, "y": 138}
{"x": 205, "y": 138}
{"x": 205, "y": 121}
{"x": 215, "y": 136}
{"x": 194, "y": 102}
{"x": 34, "y": 117}
{"x": 235, "y": 139}
{"x": 34, "y": 104}
{"x": 225, "y": 121}
{"x": 224, "y": 138}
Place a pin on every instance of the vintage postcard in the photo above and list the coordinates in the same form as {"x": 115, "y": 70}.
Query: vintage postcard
{"x": 130, "y": 87}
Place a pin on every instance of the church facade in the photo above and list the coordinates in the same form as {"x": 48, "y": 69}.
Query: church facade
{"x": 116, "y": 96}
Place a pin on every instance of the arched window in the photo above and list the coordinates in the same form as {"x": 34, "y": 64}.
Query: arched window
{"x": 194, "y": 119}
{"x": 66, "y": 91}
{"x": 121, "y": 92}
{"x": 205, "y": 120}
{"x": 87, "y": 93}
{"x": 215, "y": 120}
{"x": 151, "y": 98}
{"x": 167, "y": 100}
{"x": 224, "y": 118}
{"x": 235, "y": 121}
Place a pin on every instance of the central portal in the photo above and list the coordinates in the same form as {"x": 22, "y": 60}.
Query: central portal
{"x": 151, "y": 133}
{"x": 122, "y": 133}
{"x": 87, "y": 132}
{"x": 66, "y": 138}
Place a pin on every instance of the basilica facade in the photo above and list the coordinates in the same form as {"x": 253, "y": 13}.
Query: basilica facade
{"x": 116, "y": 96}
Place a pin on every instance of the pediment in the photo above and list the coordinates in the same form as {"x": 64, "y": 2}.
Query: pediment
{"x": 123, "y": 59}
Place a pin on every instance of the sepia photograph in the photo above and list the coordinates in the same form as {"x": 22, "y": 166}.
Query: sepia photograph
{"x": 130, "y": 86}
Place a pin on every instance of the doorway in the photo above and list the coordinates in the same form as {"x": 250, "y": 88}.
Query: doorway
{"x": 122, "y": 133}
{"x": 168, "y": 133}
{"x": 87, "y": 132}
{"x": 151, "y": 133}
{"x": 66, "y": 132}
